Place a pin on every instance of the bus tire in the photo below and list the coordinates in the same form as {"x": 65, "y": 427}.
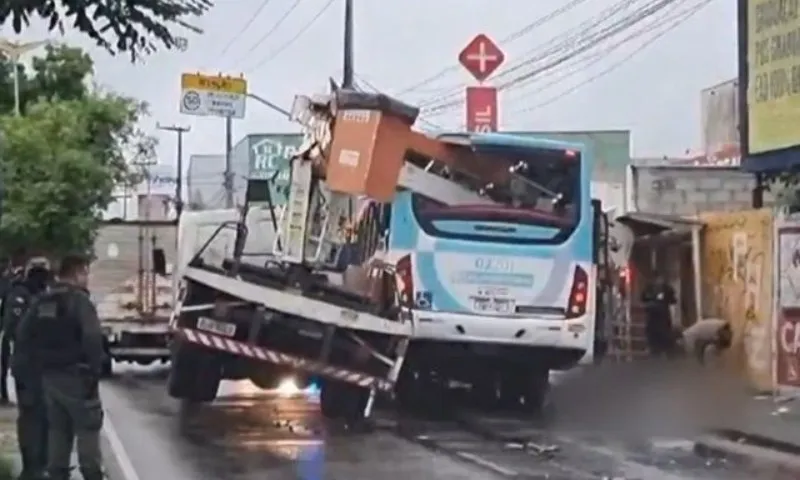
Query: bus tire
{"x": 194, "y": 375}
{"x": 525, "y": 390}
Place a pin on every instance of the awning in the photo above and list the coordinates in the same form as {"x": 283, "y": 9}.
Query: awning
{"x": 648, "y": 227}
{"x": 770, "y": 162}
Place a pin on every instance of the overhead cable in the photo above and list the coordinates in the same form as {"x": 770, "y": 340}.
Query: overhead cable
{"x": 583, "y": 46}
{"x": 686, "y": 15}
{"x": 270, "y": 31}
{"x": 274, "y": 53}
{"x": 514, "y": 36}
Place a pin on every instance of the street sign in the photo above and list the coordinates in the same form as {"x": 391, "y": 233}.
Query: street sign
{"x": 209, "y": 95}
{"x": 481, "y": 57}
{"x": 481, "y": 109}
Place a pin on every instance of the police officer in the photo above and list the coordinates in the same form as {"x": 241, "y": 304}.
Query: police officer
{"x": 13, "y": 276}
{"x": 657, "y": 298}
{"x": 62, "y": 337}
{"x": 32, "y": 414}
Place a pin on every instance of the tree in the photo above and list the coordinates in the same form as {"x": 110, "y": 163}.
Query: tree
{"x": 135, "y": 27}
{"x": 63, "y": 158}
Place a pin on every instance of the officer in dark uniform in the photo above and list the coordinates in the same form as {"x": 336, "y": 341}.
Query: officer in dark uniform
{"x": 32, "y": 415}
{"x": 657, "y": 298}
{"x": 12, "y": 277}
{"x": 61, "y": 337}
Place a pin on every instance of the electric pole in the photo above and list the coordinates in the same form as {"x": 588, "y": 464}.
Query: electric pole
{"x": 348, "y": 72}
{"x": 179, "y": 131}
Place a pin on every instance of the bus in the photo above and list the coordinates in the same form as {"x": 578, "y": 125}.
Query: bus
{"x": 502, "y": 292}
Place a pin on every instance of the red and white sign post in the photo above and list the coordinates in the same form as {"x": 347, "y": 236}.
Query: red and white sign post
{"x": 481, "y": 57}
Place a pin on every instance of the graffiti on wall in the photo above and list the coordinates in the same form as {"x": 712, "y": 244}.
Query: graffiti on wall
{"x": 737, "y": 277}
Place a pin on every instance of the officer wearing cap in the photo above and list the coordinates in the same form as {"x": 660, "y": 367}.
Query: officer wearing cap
{"x": 32, "y": 413}
{"x": 61, "y": 337}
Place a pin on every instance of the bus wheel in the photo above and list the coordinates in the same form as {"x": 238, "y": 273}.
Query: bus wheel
{"x": 525, "y": 390}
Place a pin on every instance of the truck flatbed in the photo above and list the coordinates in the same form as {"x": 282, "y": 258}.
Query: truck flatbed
{"x": 294, "y": 302}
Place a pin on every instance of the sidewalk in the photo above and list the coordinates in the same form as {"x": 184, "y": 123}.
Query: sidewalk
{"x": 8, "y": 439}
{"x": 765, "y": 429}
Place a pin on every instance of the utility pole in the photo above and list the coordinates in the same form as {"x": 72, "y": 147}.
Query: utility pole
{"x": 179, "y": 131}
{"x": 15, "y": 50}
{"x": 348, "y": 72}
{"x": 228, "y": 182}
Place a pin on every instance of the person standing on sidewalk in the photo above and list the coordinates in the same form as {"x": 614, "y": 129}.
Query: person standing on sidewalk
{"x": 657, "y": 298}
{"x": 32, "y": 413}
{"x": 11, "y": 277}
{"x": 62, "y": 337}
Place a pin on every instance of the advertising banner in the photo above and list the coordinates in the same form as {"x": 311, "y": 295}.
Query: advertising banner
{"x": 773, "y": 68}
{"x": 787, "y": 331}
{"x": 737, "y": 261}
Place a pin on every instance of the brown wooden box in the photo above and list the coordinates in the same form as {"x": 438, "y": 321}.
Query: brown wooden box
{"x": 367, "y": 154}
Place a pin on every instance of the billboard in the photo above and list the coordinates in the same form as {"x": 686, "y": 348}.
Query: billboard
{"x": 719, "y": 112}
{"x": 773, "y": 75}
{"x": 268, "y": 156}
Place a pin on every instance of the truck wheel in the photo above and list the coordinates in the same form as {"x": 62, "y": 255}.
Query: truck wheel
{"x": 195, "y": 373}
{"x": 341, "y": 400}
{"x": 264, "y": 377}
{"x": 107, "y": 370}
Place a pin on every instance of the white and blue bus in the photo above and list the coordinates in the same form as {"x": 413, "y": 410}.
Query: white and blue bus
{"x": 504, "y": 292}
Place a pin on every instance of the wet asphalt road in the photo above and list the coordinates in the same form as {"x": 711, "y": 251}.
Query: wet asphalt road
{"x": 249, "y": 434}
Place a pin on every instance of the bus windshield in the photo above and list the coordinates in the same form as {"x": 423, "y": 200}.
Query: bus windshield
{"x": 540, "y": 202}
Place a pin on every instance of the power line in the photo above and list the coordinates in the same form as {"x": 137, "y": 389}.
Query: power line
{"x": 596, "y": 57}
{"x": 514, "y": 36}
{"x": 241, "y": 31}
{"x": 584, "y": 45}
{"x": 269, "y": 32}
{"x": 686, "y": 15}
{"x": 297, "y": 36}
{"x": 559, "y": 43}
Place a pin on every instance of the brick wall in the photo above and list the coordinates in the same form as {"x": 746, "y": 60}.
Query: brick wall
{"x": 687, "y": 190}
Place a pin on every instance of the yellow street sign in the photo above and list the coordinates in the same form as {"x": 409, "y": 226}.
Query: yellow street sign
{"x": 213, "y": 95}
{"x": 213, "y": 83}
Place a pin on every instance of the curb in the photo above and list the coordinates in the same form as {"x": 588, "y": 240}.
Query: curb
{"x": 749, "y": 448}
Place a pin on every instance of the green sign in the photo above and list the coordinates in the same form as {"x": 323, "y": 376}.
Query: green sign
{"x": 269, "y": 156}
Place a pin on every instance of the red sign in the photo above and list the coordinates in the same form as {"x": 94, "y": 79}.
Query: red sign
{"x": 788, "y": 341}
{"x": 481, "y": 57}
{"x": 481, "y": 109}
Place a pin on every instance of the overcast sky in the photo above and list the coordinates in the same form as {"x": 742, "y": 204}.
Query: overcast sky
{"x": 655, "y": 94}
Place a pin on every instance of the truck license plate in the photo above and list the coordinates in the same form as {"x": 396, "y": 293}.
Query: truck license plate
{"x": 220, "y": 328}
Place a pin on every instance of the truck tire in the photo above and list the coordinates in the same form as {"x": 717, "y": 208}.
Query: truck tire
{"x": 107, "y": 370}
{"x": 195, "y": 373}
{"x": 264, "y": 377}
{"x": 343, "y": 401}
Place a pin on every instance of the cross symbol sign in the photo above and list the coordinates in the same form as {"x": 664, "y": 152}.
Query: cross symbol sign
{"x": 482, "y": 57}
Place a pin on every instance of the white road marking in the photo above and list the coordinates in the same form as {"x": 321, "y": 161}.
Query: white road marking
{"x": 488, "y": 464}
{"x": 123, "y": 460}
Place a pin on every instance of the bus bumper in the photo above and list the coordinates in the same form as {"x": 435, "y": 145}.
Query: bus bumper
{"x": 520, "y": 331}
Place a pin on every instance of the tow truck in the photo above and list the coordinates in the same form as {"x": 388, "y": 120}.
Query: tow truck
{"x": 332, "y": 301}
